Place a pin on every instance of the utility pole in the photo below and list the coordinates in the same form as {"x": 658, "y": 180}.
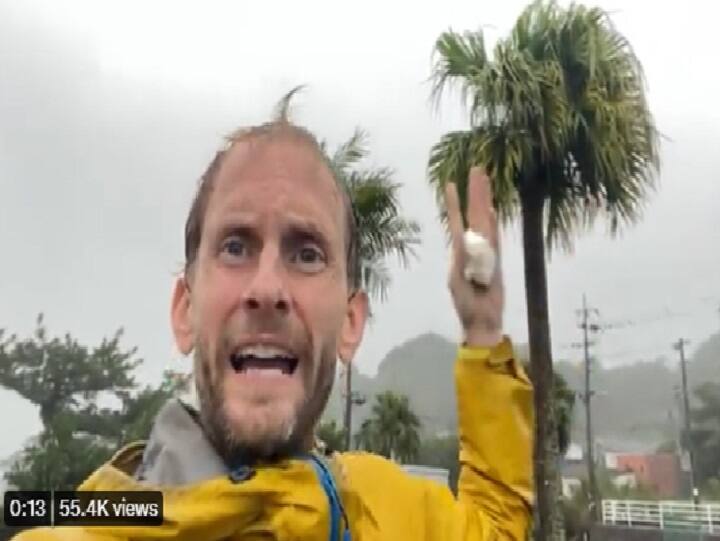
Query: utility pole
{"x": 590, "y": 453}
{"x": 352, "y": 398}
{"x": 348, "y": 406}
{"x": 687, "y": 440}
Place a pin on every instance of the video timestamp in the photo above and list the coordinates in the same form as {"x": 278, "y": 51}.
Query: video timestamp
{"x": 83, "y": 508}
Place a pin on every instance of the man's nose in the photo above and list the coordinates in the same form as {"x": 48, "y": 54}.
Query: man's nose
{"x": 267, "y": 291}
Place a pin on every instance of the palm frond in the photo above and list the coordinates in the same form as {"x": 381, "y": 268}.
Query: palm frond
{"x": 457, "y": 152}
{"x": 382, "y": 230}
{"x": 560, "y": 109}
{"x": 350, "y": 152}
{"x": 462, "y": 57}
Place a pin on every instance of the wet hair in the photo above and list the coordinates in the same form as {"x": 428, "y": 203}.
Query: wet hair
{"x": 269, "y": 130}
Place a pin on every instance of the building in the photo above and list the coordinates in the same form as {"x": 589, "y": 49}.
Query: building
{"x": 660, "y": 472}
{"x": 573, "y": 470}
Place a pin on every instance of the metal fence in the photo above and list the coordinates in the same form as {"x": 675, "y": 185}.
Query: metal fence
{"x": 664, "y": 515}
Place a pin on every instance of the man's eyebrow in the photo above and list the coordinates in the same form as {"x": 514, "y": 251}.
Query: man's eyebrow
{"x": 307, "y": 227}
{"x": 235, "y": 223}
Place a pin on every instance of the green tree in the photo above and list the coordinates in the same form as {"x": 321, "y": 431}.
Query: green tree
{"x": 706, "y": 432}
{"x": 134, "y": 419}
{"x": 576, "y": 509}
{"x": 65, "y": 380}
{"x": 563, "y": 409}
{"x": 60, "y": 375}
{"x": 332, "y": 436}
{"x": 558, "y": 117}
{"x": 382, "y": 230}
{"x": 392, "y": 430}
{"x": 711, "y": 490}
{"x": 59, "y": 459}
{"x": 442, "y": 452}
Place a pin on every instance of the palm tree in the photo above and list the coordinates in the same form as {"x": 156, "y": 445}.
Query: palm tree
{"x": 332, "y": 436}
{"x": 381, "y": 229}
{"x": 392, "y": 430}
{"x": 559, "y": 119}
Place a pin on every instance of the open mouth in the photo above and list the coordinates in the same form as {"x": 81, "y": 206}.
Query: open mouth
{"x": 263, "y": 360}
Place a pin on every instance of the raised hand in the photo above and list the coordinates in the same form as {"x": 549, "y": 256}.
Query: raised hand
{"x": 479, "y": 308}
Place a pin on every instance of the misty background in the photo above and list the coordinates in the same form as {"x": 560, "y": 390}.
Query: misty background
{"x": 110, "y": 112}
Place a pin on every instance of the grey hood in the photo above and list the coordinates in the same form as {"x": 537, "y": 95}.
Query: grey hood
{"x": 178, "y": 452}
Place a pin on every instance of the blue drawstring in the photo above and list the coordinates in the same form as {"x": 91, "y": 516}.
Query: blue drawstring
{"x": 336, "y": 511}
{"x": 243, "y": 472}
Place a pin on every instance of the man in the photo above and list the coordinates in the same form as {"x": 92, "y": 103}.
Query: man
{"x": 266, "y": 305}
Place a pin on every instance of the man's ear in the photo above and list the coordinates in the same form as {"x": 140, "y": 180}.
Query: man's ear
{"x": 353, "y": 326}
{"x": 180, "y": 316}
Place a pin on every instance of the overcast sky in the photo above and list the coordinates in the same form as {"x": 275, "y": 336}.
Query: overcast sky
{"x": 109, "y": 112}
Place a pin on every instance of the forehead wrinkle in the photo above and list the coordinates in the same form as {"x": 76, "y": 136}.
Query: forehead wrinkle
{"x": 252, "y": 156}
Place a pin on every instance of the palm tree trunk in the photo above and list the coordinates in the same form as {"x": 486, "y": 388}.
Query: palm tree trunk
{"x": 546, "y": 474}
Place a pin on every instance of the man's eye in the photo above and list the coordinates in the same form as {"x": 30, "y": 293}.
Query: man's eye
{"x": 310, "y": 258}
{"x": 234, "y": 246}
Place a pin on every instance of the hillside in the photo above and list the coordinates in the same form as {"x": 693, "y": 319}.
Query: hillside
{"x": 421, "y": 369}
{"x": 636, "y": 405}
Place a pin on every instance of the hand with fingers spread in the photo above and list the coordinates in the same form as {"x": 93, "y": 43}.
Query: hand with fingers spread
{"x": 479, "y": 307}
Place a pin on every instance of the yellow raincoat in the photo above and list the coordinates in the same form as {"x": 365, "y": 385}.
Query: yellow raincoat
{"x": 380, "y": 501}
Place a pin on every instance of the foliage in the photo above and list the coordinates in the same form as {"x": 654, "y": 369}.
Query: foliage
{"x": 559, "y": 119}
{"x": 558, "y": 107}
{"x": 332, "y": 436}
{"x": 65, "y": 380}
{"x": 711, "y": 490}
{"x": 576, "y": 509}
{"x": 60, "y": 459}
{"x": 564, "y": 408}
{"x": 134, "y": 418}
{"x": 60, "y": 374}
{"x": 706, "y": 430}
{"x": 375, "y": 198}
{"x": 442, "y": 452}
{"x": 392, "y": 430}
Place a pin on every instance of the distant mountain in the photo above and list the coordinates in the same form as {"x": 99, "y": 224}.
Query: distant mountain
{"x": 635, "y": 407}
{"x": 422, "y": 369}
{"x": 639, "y": 403}
{"x": 633, "y": 402}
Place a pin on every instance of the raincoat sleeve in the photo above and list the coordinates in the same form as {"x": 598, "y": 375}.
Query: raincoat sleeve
{"x": 496, "y": 422}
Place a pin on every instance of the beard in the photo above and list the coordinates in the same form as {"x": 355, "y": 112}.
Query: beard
{"x": 275, "y": 431}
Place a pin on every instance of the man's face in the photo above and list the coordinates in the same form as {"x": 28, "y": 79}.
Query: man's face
{"x": 267, "y": 311}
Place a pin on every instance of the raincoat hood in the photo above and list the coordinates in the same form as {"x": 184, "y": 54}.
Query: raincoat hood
{"x": 202, "y": 498}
